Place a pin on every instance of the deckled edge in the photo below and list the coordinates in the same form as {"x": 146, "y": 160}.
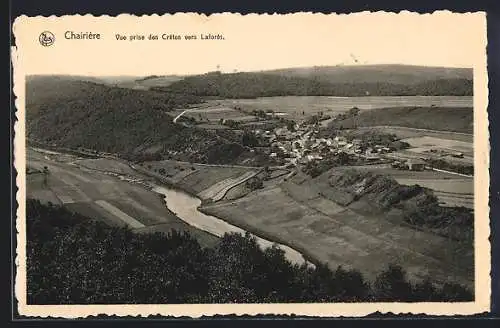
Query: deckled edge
{"x": 19, "y": 126}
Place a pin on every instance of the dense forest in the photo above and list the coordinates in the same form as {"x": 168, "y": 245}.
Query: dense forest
{"x": 252, "y": 85}
{"x": 75, "y": 260}
{"x": 133, "y": 123}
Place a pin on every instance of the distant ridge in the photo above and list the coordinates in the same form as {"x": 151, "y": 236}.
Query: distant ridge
{"x": 325, "y": 82}
{"x": 390, "y": 73}
{"x": 396, "y": 74}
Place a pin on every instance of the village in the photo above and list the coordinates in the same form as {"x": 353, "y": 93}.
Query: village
{"x": 300, "y": 144}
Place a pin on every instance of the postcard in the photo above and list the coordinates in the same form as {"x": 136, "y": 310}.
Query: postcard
{"x": 190, "y": 165}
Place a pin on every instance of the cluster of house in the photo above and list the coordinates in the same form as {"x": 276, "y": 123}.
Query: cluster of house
{"x": 301, "y": 145}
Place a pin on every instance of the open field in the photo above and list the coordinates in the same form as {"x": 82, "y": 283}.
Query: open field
{"x": 404, "y": 155}
{"x": 144, "y": 83}
{"x": 437, "y": 147}
{"x": 450, "y": 189}
{"x": 36, "y": 190}
{"x": 218, "y": 190}
{"x": 107, "y": 165}
{"x": 454, "y": 119}
{"x": 453, "y": 192}
{"x": 458, "y": 186}
{"x": 215, "y": 113}
{"x": 405, "y": 133}
{"x": 421, "y": 153}
{"x": 212, "y": 126}
{"x": 339, "y": 235}
{"x": 102, "y": 196}
{"x": 438, "y": 143}
{"x": 237, "y": 191}
{"x": 455, "y": 199}
{"x": 275, "y": 177}
{"x": 173, "y": 170}
{"x": 402, "y": 174}
{"x": 207, "y": 181}
{"x": 207, "y": 177}
{"x": 293, "y": 106}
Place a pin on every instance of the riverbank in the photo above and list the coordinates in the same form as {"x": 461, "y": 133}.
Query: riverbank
{"x": 265, "y": 235}
{"x": 260, "y": 234}
{"x": 186, "y": 207}
{"x": 158, "y": 178}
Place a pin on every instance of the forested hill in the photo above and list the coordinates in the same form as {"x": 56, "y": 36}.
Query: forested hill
{"x": 394, "y": 74}
{"x": 72, "y": 113}
{"x": 252, "y": 85}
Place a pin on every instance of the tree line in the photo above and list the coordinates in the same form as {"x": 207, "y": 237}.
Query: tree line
{"x": 252, "y": 85}
{"x": 72, "y": 259}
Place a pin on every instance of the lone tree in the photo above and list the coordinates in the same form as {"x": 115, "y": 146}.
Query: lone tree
{"x": 255, "y": 183}
{"x": 354, "y": 111}
{"x": 45, "y": 175}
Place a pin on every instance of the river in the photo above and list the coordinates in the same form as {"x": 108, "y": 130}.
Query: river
{"x": 185, "y": 207}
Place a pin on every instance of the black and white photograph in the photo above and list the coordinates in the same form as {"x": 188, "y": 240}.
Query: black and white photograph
{"x": 302, "y": 164}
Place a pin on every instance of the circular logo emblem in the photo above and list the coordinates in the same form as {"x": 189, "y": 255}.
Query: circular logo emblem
{"x": 46, "y": 38}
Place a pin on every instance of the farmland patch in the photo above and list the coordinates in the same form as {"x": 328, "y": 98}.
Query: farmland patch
{"x": 108, "y": 165}
{"x": 459, "y": 186}
{"x": 132, "y": 222}
{"x": 427, "y": 142}
{"x": 217, "y": 191}
{"x": 406, "y": 132}
{"x": 205, "y": 177}
{"x": 301, "y": 107}
{"x": 342, "y": 237}
{"x": 215, "y": 114}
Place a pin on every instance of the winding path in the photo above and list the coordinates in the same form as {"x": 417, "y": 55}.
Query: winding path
{"x": 217, "y": 191}
{"x": 180, "y": 115}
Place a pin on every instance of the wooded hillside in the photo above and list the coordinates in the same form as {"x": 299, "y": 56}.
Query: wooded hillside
{"x": 252, "y": 85}
{"x": 74, "y": 260}
{"x": 132, "y": 123}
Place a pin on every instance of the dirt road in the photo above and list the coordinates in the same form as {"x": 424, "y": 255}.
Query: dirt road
{"x": 180, "y": 115}
{"x": 217, "y": 191}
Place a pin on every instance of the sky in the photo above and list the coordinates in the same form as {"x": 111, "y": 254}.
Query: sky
{"x": 251, "y": 42}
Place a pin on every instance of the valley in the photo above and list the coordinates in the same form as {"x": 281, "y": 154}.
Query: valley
{"x": 351, "y": 174}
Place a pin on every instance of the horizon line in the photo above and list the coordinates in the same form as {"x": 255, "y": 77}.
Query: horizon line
{"x": 233, "y": 71}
